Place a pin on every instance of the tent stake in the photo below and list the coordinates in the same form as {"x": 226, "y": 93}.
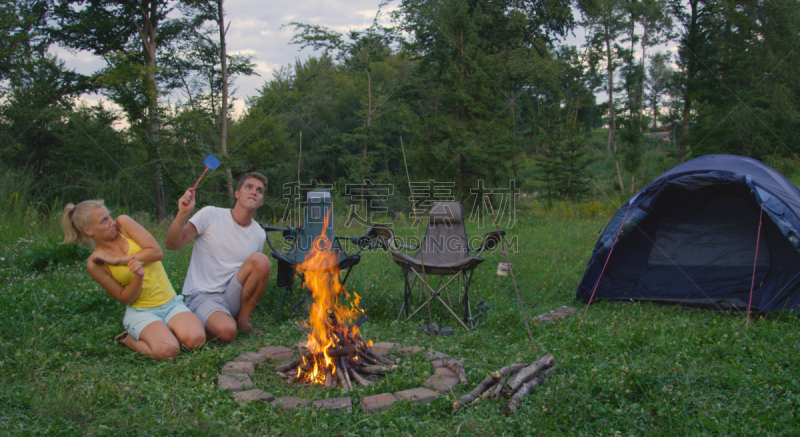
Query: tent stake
{"x": 511, "y": 270}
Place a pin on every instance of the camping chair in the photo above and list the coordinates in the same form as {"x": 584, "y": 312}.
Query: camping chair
{"x": 318, "y": 207}
{"x": 444, "y": 253}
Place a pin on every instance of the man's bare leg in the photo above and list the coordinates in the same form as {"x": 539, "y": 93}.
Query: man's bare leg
{"x": 254, "y": 276}
{"x": 220, "y": 327}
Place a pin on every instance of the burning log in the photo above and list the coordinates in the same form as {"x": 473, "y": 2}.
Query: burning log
{"x": 290, "y": 365}
{"x": 345, "y": 373}
{"x": 349, "y": 351}
{"x": 377, "y": 370}
{"x": 513, "y": 405}
{"x": 358, "y": 378}
{"x": 341, "y": 376}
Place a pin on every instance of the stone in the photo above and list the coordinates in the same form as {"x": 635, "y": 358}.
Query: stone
{"x": 383, "y": 347}
{"x": 432, "y": 355}
{"x": 556, "y": 315}
{"x": 334, "y": 404}
{"x": 253, "y": 395}
{"x": 234, "y": 383}
{"x": 566, "y": 310}
{"x": 290, "y": 403}
{"x": 442, "y": 381}
{"x": 419, "y": 395}
{"x": 371, "y": 404}
{"x": 411, "y": 350}
{"x": 542, "y": 319}
{"x": 276, "y": 353}
{"x": 238, "y": 368}
{"x": 251, "y": 357}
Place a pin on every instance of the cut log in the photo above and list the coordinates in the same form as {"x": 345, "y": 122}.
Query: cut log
{"x": 282, "y": 375}
{"x": 498, "y": 390}
{"x": 528, "y": 373}
{"x": 377, "y": 370}
{"x": 488, "y": 393}
{"x": 290, "y": 365}
{"x": 512, "y": 405}
{"x": 328, "y": 378}
{"x": 469, "y": 398}
{"x": 506, "y": 371}
{"x": 358, "y": 378}
{"x": 458, "y": 370}
{"x": 361, "y": 320}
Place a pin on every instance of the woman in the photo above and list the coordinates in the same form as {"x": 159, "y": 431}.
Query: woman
{"x": 126, "y": 262}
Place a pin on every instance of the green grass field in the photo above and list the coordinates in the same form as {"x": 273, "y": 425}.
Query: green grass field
{"x": 631, "y": 369}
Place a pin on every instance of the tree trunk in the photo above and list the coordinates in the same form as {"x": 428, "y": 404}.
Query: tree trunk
{"x": 148, "y": 33}
{"x": 223, "y": 112}
{"x": 612, "y": 121}
{"x": 612, "y": 125}
{"x": 641, "y": 82}
{"x": 687, "y": 99}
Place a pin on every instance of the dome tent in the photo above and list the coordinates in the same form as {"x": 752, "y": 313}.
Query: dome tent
{"x": 690, "y": 238}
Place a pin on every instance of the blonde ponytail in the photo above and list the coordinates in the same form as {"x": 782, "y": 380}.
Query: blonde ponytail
{"x": 75, "y": 218}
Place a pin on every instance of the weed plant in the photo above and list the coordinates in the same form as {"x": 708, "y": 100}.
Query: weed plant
{"x": 641, "y": 370}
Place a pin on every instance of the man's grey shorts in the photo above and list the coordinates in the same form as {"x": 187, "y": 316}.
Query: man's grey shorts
{"x": 205, "y": 304}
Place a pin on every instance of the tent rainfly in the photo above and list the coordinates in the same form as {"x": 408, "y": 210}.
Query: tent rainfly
{"x": 691, "y": 238}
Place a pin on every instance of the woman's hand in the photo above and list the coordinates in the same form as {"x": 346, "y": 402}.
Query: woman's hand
{"x": 135, "y": 266}
{"x": 107, "y": 259}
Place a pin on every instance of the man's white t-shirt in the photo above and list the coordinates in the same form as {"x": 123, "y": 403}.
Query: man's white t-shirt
{"x": 220, "y": 249}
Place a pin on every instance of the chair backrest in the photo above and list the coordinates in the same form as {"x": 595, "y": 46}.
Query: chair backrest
{"x": 445, "y": 240}
{"x": 317, "y": 220}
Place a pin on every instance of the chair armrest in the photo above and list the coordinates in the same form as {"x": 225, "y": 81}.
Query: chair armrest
{"x": 490, "y": 241}
{"x": 289, "y": 234}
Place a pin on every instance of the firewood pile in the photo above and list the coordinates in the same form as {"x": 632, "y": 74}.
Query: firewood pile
{"x": 344, "y": 363}
{"x": 511, "y": 382}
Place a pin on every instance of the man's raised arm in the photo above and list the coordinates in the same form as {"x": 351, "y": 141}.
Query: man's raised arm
{"x": 180, "y": 232}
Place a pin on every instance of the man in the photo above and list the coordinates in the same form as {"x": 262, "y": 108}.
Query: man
{"x": 228, "y": 273}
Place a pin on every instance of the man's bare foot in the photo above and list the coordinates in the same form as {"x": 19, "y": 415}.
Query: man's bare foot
{"x": 249, "y": 329}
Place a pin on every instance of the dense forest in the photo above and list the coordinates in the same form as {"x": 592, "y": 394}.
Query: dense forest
{"x": 462, "y": 90}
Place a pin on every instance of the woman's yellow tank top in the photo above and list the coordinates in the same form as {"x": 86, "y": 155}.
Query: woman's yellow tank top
{"x": 156, "y": 288}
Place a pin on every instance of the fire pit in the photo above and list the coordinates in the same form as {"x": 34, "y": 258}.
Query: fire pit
{"x": 335, "y": 353}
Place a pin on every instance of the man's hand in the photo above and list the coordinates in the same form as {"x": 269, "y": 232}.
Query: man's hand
{"x": 181, "y": 233}
{"x": 186, "y": 202}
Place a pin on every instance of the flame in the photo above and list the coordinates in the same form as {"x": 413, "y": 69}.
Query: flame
{"x": 321, "y": 273}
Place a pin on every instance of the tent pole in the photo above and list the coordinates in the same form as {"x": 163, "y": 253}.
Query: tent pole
{"x": 755, "y": 261}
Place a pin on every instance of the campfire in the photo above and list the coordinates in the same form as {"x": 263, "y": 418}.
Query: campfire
{"x": 335, "y": 353}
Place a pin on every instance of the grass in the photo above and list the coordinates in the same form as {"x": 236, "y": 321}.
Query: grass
{"x": 631, "y": 369}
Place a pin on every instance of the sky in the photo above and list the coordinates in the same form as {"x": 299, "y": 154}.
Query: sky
{"x": 260, "y": 29}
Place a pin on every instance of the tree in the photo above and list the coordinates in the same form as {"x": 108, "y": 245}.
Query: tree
{"x": 605, "y": 22}
{"x": 127, "y": 35}
{"x": 659, "y": 82}
{"x": 473, "y": 59}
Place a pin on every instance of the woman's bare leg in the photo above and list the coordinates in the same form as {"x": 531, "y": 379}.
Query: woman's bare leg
{"x": 155, "y": 341}
{"x": 188, "y": 330}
